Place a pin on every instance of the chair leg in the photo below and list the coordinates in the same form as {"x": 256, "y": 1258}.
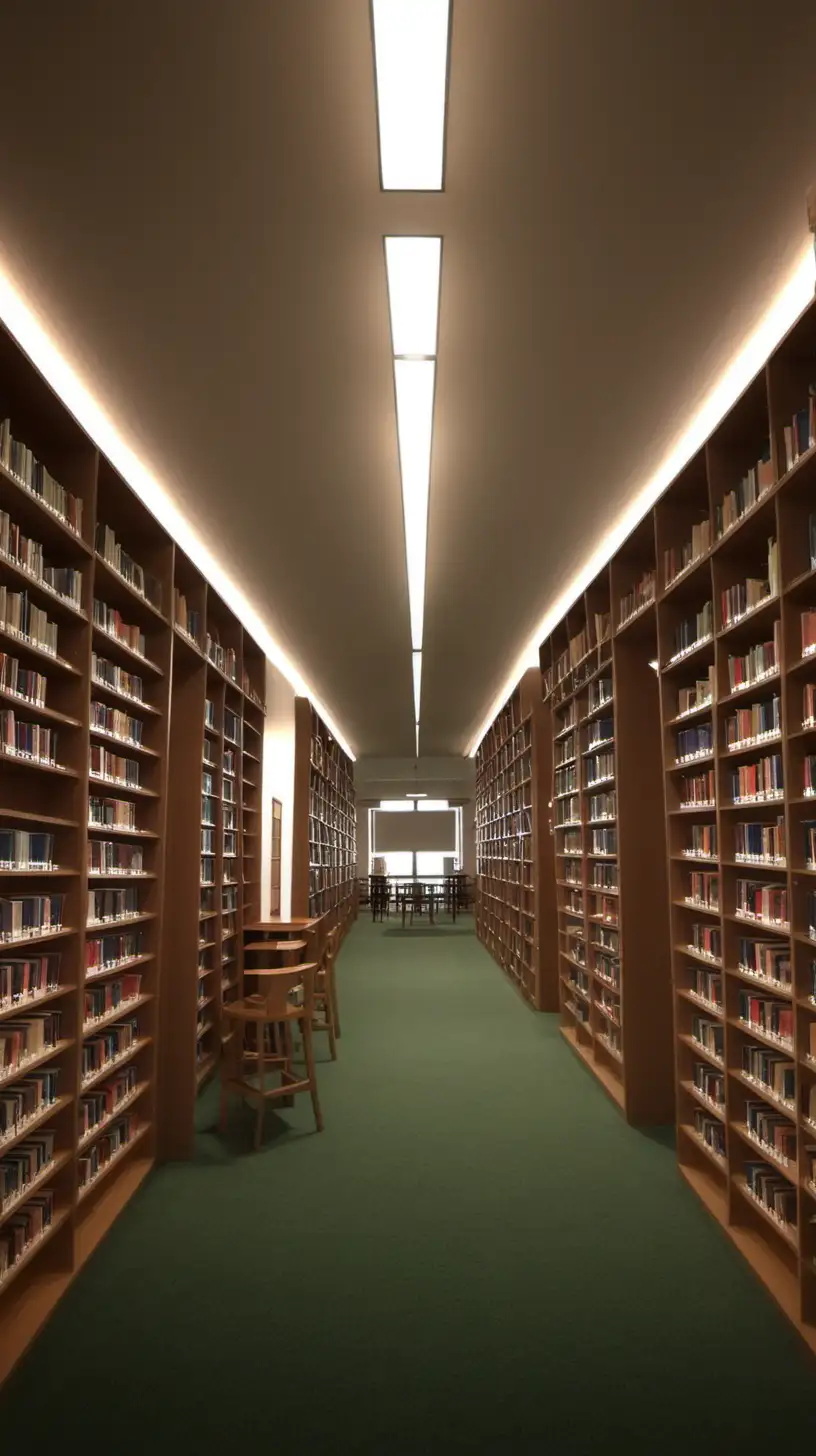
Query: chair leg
{"x": 335, "y": 1009}
{"x": 308, "y": 1047}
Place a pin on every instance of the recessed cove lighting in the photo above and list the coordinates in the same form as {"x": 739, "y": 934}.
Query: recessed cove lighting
{"x": 417, "y": 664}
{"x": 21, "y": 321}
{"x": 778, "y": 318}
{"x": 411, "y": 39}
{"x": 417, "y": 740}
{"x": 416, "y": 796}
{"x": 412, "y": 266}
{"x": 414, "y": 384}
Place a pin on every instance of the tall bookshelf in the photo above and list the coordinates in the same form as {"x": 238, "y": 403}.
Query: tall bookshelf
{"x": 96, "y": 654}
{"x": 735, "y": 679}
{"x": 515, "y": 898}
{"x": 614, "y": 974}
{"x": 212, "y": 839}
{"x": 715, "y": 778}
{"x": 324, "y": 853}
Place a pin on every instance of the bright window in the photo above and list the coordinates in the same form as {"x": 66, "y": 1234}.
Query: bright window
{"x": 426, "y": 804}
{"x": 398, "y": 862}
{"x": 398, "y": 806}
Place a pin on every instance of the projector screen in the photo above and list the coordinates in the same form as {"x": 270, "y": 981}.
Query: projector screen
{"x": 435, "y": 831}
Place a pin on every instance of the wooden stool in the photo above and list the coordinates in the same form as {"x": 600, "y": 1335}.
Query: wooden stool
{"x": 273, "y": 1008}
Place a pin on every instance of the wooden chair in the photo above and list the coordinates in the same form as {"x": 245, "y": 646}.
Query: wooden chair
{"x": 272, "y": 1008}
{"x": 380, "y": 897}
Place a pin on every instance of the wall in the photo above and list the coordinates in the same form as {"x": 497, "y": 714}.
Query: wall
{"x": 278, "y": 783}
{"x": 449, "y": 778}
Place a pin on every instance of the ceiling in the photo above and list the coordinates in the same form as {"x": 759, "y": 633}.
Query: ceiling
{"x": 190, "y": 199}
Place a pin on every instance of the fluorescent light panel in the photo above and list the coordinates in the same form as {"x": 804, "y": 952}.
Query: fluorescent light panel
{"x": 417, "y": 739}
{"x": 412, "y": 266}
{"x": 22, "y": 322}
{"x": 795, "y": 293}
{"x": 414, "y": 384}
{"x": 417, "y": 664}
{"x": 411, "y": 64}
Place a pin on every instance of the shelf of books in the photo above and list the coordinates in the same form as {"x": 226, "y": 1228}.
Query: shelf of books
{"x": 614, "y": 975}
{"x": 324, "y": 862}
{"x": 90, "y": 654}
{"x": 738, "y": 656}
{"x": 515, "y": 897}
{"x": 216, "y": 730}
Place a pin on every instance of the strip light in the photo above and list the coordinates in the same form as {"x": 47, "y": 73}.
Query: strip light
{"x": 417, "y": 661}
{"x": 783, "y": 311}
{"x": 411, "y": 43}
{"x": 21, "y": 321}
{"x": 413, "y": 266}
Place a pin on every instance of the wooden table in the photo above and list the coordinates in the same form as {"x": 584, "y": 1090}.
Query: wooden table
{"x": 280, "y": 927}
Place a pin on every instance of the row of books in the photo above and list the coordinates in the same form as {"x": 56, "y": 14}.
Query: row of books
{"x": 809, "y": 774}
{"x": 568, "y": 811}
{"x": 21, "y": 462}
{"x": 113, "y": 720}
{"x": 224, "y": 658}
{"x": 112, "y": 813}
{"x": 564, "y": 751}
{"x": 772, "y": 1018}
{"x": 766, "y": 959}
{"x": 106, "y": 1046}
{"x": 186, "y": 617}
{"x": 21, "y": 1102}
{"x": 759, "y": 662}
{"x": 771, "y": 1070}
{"x": 108, "y": 952}
{"x": 28, "y": 915}
{"x": 110, "y": 620}
{"x": 606, "y": 939}
{"x": 24, "y": 619}
{"x": 118, "y": 904}
{"x": 691, "y": 700}
{"x": 113, "y": 767}
{"x": 761, "y": 720}
{"x": 29, "y": 555}
{"x": 775, "y": 1193}
{"x": 760, "y": 841}
{"x": 25, "y": 1038}
{"x": 604, "y": 841}
{"x": 25, "y": 978}
{"x": 603, "y": 806}
{"x": 746, "y": 596}
{"x": 97, "y": 1106}
{"x": 571, "y": 841}
{"x": 108, "y": 674}
{"x": 693, "y": 630}
{"x": 760, "y": 780}
{"x": 27, "y": 740}
{"x": 566, "y": 780}
{"x": 21, "y": 1167}
{"x": 709, "y": 1083}
{"x": 710, "y": 1131}
{"x": 601, "y": 731}
{"x": 704, "y": 889}
{"x": 604, "y": 908}
{"x": 600, "y": 693}
{"x": 762, "y": 900}
{"x": 773, "y": 1130}
{"x": 800, "y": 434}
{"x": 599, "y": 768}
{"x": 95, "y": 1160}
{"x": 604, "y": 877}
{"x": 697, "y": 789}
{"x": 707, "y": 985}
{"x": 706, "y": 940}
{"x": 110, "y": 996}
{"x": 232, "y": 729}
{"x": 641, "y": 595}
{"x": 695, "y": 742}
{"x": 702, "y": 841}
{"x": 135, "y": 575}
{"x": 23, "y": 849}
{"x": 111, "y": 857}
{"x": 22, "y": 681}
{"x": 209, "y": 714}
{"x": 710, "y": 1035}
{"x": 678, "y": 559}
{"x": 745, "y": 495}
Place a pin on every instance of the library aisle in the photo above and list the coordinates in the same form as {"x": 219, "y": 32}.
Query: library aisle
{"x": 477, "y": 1251}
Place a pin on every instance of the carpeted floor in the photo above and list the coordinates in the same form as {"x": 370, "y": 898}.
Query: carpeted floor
{"x": 476, "y": 1256}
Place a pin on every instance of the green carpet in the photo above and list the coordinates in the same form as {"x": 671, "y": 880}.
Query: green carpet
{"x": 476, "y": 1255}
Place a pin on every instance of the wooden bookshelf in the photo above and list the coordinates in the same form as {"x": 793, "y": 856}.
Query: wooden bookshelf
{"x": 216, "y": 733}
{"x": 324, "y": 853}
{"x": 122, "y": 682}
{"x": 515, "y": 892}
{"x": 614, "y": 973}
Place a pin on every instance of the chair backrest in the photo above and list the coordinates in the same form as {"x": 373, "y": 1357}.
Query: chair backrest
{"x": 316, "y": 936}
{"x": 276, "y": 985}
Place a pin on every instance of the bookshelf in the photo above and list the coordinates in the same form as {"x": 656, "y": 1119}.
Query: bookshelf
{"x": 515, "y": 894}
{"x": 103, "y": 677}
{"x": 216, "y": 732}
{"x": 613, "y": 947}
{"x": 324, "y": 853}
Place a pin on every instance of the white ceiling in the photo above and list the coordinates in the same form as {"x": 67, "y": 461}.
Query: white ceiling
{"x": 190, "y": 199}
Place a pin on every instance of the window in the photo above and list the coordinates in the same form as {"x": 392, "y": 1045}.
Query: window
{"x": 398, "y": 862}
{"x": 398, "y": 806}
{"x": 431, "y": 804}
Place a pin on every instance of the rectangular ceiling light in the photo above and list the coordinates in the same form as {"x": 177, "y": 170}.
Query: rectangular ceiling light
{"x": 412, "y": 266}
{"x": 414, "y": 383}
{"x": 411, "y": 64}
{"x": 417, "y": 656}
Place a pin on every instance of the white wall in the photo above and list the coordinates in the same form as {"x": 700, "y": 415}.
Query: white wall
{"x": 278, "y": 783}
{"x": 392, "y": 778}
